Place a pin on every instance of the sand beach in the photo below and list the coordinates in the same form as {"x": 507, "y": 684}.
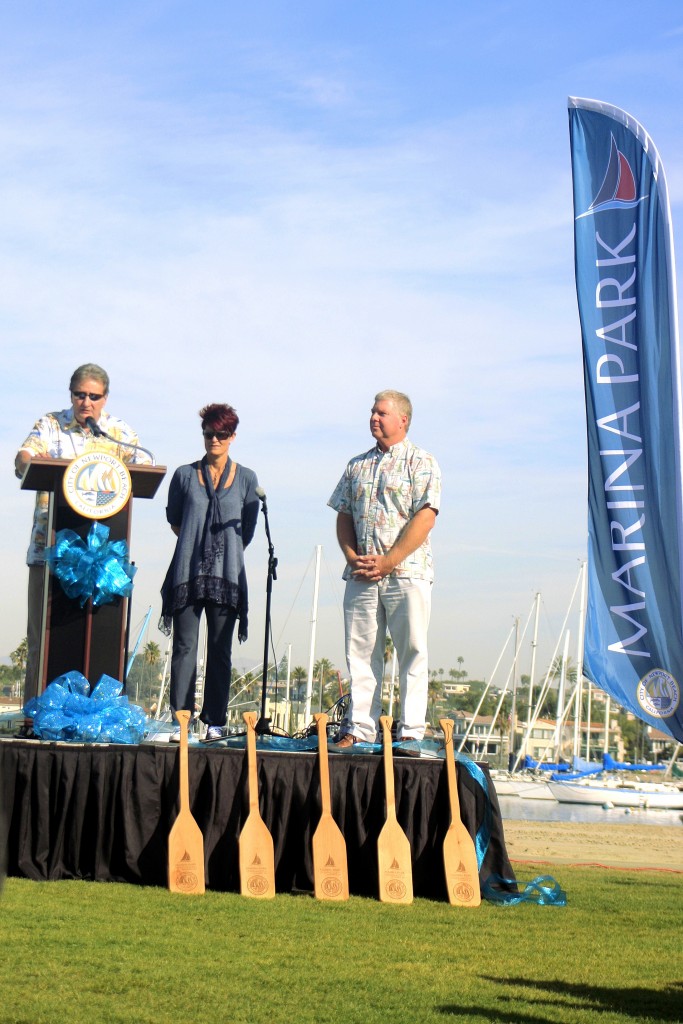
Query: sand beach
{"x": 613, "y": 846}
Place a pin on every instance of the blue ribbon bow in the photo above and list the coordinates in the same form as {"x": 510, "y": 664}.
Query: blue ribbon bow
{"x": 97, "y": 569}
{"x": 68, "y": 712}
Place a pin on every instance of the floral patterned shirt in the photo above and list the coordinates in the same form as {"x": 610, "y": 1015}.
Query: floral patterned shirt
{"x": 382, "y": 491}
{"x": 58, "y": 435}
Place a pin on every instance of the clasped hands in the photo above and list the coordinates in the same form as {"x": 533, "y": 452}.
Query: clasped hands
{"x": 371, "y": 567}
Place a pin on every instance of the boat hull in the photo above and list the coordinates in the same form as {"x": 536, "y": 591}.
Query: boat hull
{"x": 617, "y": 796}
{"x": 519, "y": 785}
{"x": 531, "y": 790}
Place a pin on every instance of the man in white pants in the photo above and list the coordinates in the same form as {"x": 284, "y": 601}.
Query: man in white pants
{"x": 386, "y": 503}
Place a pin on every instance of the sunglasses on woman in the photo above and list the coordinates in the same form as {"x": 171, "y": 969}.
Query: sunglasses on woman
{"x": 220, "y": 435}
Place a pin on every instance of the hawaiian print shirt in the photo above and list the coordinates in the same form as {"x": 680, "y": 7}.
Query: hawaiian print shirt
{"x": 58, "y": 435}
{"x": 383, "y": 491}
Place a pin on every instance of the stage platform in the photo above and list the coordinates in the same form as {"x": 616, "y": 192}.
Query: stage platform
{"x": 103, "y": 813}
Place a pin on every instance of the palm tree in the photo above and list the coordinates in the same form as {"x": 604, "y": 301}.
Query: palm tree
{"x": 20, "y": 657}
{"x": 433, "y": 692}
{"x": 323, "y": 670}
{"x": 299, "y": 676}
{"x": 569, "y": 672}
{"x": 151, "y": 655}
{"x": 248, "y": 679}
{"x": 151, "y": 652}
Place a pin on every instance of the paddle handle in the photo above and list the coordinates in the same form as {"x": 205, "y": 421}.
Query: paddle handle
{"x": 386, "y": 721}
{"x": 447, "y": 726}
{"x": 183, "y": 720}
{"x": 250, "y": 722}
{"x": 321, "y": 723}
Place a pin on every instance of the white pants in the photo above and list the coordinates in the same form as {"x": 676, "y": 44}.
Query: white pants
{"x": 402, "y": 605}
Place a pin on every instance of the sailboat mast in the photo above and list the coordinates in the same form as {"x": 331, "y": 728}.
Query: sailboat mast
{"x": 288, "y": 703}
{"x": 532, "y": 673}
{"x": 513, "y": 706}
{"x": 607, "y": 714}
{"x": 483, "y": 697}
{"x": 164, "y": 673}
{"x": 579, "y": 662}
{"x": 314, "y": 621}
{"x": 560, "y": 699}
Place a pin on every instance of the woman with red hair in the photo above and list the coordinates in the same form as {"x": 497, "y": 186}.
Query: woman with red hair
{"x": 212, "y": 508}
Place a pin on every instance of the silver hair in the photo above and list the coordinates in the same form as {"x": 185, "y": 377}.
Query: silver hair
{"x": 401, "y": 401}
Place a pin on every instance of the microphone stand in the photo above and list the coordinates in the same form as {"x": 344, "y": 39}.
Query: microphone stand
{"x": 96, "y": 429}
{"x": 262, "y": 727}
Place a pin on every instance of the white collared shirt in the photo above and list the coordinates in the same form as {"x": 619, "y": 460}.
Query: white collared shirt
{"x": 383, "y": 491}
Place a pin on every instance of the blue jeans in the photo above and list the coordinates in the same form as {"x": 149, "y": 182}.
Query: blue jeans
{"x": 220, "y": 624}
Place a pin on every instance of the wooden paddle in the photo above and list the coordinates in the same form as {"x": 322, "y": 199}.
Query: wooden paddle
{"x": 257, "y": 858}
{"x": 185, "y": 840}
{"x": 393, "y": 848}
{"x": 459, "y": 853}
{"x": 330, "y": 872}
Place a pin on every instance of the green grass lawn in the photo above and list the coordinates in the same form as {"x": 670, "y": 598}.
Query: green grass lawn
{"x": 76, "y": 952}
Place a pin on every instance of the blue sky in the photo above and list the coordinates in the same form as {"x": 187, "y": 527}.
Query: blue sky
{"x": 290, "y": 207}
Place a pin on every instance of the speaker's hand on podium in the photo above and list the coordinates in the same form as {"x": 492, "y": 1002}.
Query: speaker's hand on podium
{"x": 21, "y": 462}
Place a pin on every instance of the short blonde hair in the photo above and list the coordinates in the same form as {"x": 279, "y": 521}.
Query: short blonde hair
{"x": 401, "y": 401}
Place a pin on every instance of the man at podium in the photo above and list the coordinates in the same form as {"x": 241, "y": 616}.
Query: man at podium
{"x": 66, "y": 435}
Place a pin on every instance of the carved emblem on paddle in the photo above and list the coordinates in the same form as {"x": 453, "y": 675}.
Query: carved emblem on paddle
{"x": 330, "y": 873}
{"x": 459, "y": 853}
{"x": 256, "y": 854}
{"x": 185, "y": 840}
{"x": 393, "y": 848}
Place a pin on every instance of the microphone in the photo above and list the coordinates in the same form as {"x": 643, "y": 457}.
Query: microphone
{"x": 97, "y": 431}
{"x": 92, "y": 425}
{"x": 260, "y": 493}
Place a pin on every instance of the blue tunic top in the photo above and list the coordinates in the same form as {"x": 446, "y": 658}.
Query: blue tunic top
{"x": 221, "y": 577}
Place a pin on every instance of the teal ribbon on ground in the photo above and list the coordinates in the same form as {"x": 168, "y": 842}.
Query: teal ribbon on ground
{"x": 97, "y": 568}
{"x": 543, "y": 890}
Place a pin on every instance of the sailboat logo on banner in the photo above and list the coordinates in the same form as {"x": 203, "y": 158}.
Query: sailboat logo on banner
{"x": 659, "y": 694}
{"x": 618, "y": 189}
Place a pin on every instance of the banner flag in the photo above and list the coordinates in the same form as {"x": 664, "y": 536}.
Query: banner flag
{"x": 625, "y": 282}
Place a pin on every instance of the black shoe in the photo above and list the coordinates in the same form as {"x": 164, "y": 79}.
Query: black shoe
{"x": 25, "y": 732}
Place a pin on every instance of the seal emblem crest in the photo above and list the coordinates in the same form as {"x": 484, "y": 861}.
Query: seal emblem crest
{"x": 658, "y": 693}
{"x": 97, "y": 485}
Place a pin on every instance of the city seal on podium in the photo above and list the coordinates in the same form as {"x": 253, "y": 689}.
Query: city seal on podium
{"x": 97, "y": 485}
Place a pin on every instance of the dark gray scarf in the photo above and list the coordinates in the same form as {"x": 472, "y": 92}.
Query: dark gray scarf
{"x": 213, "y": 522}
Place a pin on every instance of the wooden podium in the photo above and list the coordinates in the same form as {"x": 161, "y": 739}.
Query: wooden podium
{"x": 89, "y": 640}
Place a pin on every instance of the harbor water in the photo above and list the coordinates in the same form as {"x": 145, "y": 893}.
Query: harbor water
{"x": 515, "y": 808}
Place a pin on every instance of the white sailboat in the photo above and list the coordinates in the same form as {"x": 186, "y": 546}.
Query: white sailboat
{"x": 608, "y": 790}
